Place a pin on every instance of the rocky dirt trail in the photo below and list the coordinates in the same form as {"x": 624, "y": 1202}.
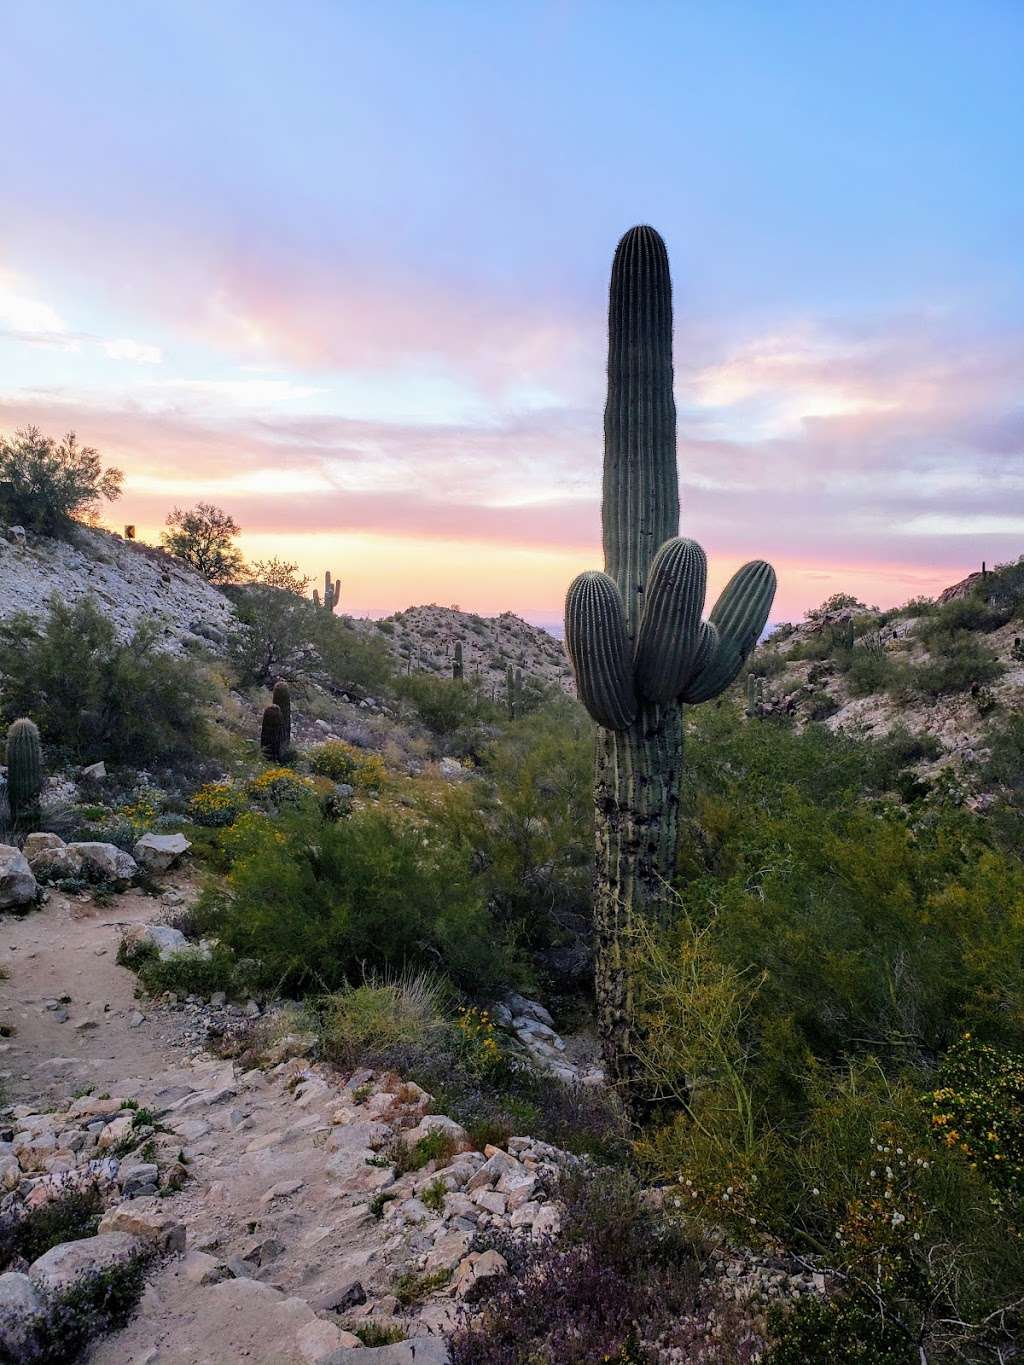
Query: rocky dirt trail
{"x": 76, "y": 1021}
{"x": 294, "y": 1225}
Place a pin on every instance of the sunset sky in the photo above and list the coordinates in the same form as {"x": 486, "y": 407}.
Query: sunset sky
{"x": 341, "y": 268}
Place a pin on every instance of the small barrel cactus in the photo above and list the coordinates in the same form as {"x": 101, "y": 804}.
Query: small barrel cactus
{"x": 272, "y": 733}
{"x": 24, "y": 771}
{"x": 282, "y": 699}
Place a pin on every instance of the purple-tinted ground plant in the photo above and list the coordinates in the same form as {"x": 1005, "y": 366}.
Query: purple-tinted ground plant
{"x": 620, "y": 1278}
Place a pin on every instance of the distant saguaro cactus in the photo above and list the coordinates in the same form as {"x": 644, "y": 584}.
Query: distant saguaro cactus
{"x": 634, "y": 633}
{"x": 272, "y": 733}
{"x": 332, "y": 594}
{"x": 282, "y": 699}
{"x": 513, "y": 691}
{"x": 751, "y": 694}
{"x": 457, "y": 661}
{"x": 24, "y": 759}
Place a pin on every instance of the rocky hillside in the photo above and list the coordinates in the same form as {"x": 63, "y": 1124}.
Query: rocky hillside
{"x": 131, "y": 582}
{"x": 865, "y": 674}
{"x": 422, "y": 640}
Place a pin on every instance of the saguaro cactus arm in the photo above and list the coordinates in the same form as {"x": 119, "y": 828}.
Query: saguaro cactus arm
{"x": 738, "y": 616}
{"x": 599, "y": 649}
{"x": 669, "y": 631}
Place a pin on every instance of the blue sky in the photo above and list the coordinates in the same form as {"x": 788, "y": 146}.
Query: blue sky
{"x": 343, "y": 268}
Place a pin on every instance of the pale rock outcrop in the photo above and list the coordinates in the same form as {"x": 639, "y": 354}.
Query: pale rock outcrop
{"x": 58, "y": 1269}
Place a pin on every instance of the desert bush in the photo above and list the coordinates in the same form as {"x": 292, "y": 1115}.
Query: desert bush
{"x": 445, "y": 705}
{"x": 203, "y": 538}
{"x": 349, "y": 657}
{"x": 93, "y": 696}
{"x": 73, "y": 1214}
{"x": 868, "y": 670}
{"x": 870, "y": 1188}
{"x": 279, "y": 631}
{"x": 190, "y": 972}
{"x": 619, "y": 1279}
{"x": 274, "y": 634}
{"x": 875, "y": 932}
{"x": 317, "y": 903}
{"x": 343, "y": 762}
{"x": 821, "y": 705}
{"x": 388, "y": 1016}
{"x": 526, "y": 826}
{"x": 768, "y": 663}
{"x": 215, "y": 804}
{"x": 957, "y": 660}
{"x": 279, "y": 789}
{"x": 46, "y": 486}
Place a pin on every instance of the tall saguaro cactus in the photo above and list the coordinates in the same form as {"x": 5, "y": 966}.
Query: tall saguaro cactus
{"x": 634, "y": 633}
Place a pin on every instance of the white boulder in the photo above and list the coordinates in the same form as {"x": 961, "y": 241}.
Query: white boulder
{"x": 158, "y": 852}
{"x": 107, "y": 860}
{"x": 17, "y": 880}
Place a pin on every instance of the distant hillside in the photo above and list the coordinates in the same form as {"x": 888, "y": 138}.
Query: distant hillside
{"x": 131, "y": 582}
{"x": 422, "y": 640}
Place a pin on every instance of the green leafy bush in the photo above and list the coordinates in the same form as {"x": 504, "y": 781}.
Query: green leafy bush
{"x": 526, "y": 826}
{"x": 343, "y": 762}
{"x": 93, "y": 696}
{"x": 46, "y": 486}
{"x": 445, "y": 705}
{"x": 957, "y": 661}
{"x": 868, "y": 670}
{"x": 318, "y": 903}
{"x": 280, "y": 632}
{"x": 189, "y": 972}
{"x": 72, "y": 1215}
{"x": 875, "y": 933}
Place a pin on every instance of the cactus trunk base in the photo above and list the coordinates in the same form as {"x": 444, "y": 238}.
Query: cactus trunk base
{"x": 636, "y": 799}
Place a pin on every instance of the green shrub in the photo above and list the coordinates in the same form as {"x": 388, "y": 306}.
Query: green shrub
{"x": 350, "y": 658}
{"x": 867, "y": 1186}
{"x": 382, "y": 1017}
{"x": 94, "y": 697}
{"x": 72, "y": 1215}
{"x": 957, "y": 661}
{"x": 821, "y": 705}
{"x": 343, "y": 762}
{"x": 869, "y": 670}
{"x": 874, "y": 932}
{"x": 445, "y": 705}
{"x": 846, "y": 1329}
{"x": 526, "y": 827}
{"x": 317, "y": 903}
{"x": 215, "y": 804}
{"x": 189, "y": 972}
{"x": 45, "y": 486}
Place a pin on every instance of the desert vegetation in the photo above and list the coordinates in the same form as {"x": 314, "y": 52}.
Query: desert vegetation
{"x": 803, "y": 949}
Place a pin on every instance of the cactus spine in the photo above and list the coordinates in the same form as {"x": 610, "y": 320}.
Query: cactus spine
{"x": 272, "y": 733}
{"x": 332, "y": 594}
{"x": 282, "y": 699}
{"x": 634, "y": 633}
{"x": 24, "y": 771}
{"x": 457, "y": 662}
